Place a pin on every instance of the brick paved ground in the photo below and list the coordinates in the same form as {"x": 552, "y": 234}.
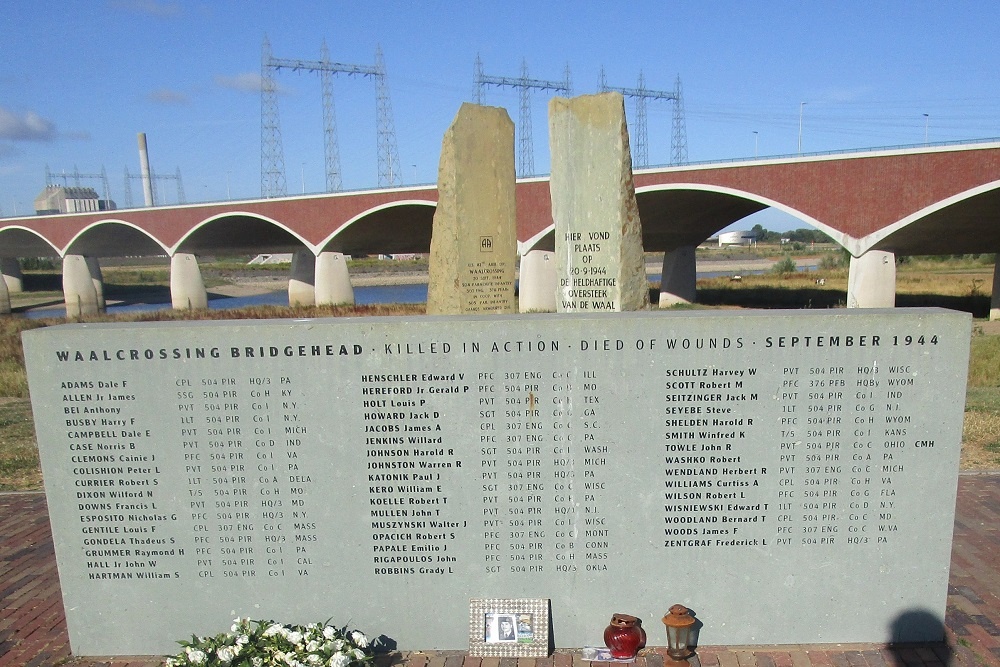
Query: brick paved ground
{"x": 33, "y": 628}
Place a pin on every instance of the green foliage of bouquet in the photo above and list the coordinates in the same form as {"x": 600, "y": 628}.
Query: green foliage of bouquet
{"x": 268, "y": 644}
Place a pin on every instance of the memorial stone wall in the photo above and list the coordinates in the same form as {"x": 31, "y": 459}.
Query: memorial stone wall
{"x": 789, "y": 476}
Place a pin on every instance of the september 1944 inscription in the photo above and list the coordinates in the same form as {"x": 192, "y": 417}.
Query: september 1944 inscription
{"x": 363, "y": 469}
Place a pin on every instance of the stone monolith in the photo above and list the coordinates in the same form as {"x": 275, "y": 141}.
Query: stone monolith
{"x": 598, "y": 234}
{"x": 474, "y": 242}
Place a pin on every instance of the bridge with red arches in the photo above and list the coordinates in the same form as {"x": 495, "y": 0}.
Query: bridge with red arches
{"x": 920, "y": 200}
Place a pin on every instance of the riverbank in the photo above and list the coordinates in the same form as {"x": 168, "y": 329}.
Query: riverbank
{"x": 242, "y": 286}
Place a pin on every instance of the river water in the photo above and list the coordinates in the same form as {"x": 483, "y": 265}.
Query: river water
{"x": 416, "y": 293}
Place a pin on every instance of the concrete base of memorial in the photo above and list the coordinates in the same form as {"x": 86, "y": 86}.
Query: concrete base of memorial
{"x": 333, "y": 282}
{"x": 80, "y": 287}
{"x": 871, "y": 282}
{"x": 187, "y": 289}
{"x": 794, "y": 459}
{"x": 302, "y": 279}
{"x": 537, "y": 284}
{"x": 679, "y": 277}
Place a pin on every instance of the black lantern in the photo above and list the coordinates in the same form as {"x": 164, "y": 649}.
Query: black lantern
{"x": 679, "y": 623}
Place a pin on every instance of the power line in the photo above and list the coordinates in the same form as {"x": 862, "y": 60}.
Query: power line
{"x": 678, "y": 141}
{"x": 524, "y": 85}
{"x": 273, "y": 183}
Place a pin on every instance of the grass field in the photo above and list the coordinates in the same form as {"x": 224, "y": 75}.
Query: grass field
{"x": 962, "y": 284}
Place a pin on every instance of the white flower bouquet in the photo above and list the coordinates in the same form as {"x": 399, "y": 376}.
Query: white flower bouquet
{"x": 268, "y": 644}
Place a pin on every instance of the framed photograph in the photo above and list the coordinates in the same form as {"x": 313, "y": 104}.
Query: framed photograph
{"x": 509, "y": 627}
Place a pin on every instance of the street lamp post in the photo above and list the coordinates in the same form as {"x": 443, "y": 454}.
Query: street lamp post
{"x": 801, "y": 104}
{"x": 756, "y": 137}
{"x": 927, "y": 120}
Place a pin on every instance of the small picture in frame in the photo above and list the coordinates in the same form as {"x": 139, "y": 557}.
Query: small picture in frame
{"x": 502, "y": 627}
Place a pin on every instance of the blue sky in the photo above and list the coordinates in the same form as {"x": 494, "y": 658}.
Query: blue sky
{"x": 80, "y": 78}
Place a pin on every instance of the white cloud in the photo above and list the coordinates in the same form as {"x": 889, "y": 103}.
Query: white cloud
{"x": 167, "y": 96}
{"x": 150, "y": 7}
{"x": 28, "y": 126}
{"x": 247, "y": 82}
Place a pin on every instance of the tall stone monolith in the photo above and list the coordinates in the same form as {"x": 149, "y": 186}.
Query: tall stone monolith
{"x": 474, "y": 241}
{"x": 599, "y": 257}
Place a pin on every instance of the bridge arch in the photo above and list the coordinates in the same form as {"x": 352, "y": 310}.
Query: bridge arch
{"x": 966, "y": 222}
{"x": 114, "y": 238}
{"x": 675, "y": 215}
{"x": 395, "y": 227}
{"x": 239, "y": 233}
{"x": 20, "y": 241}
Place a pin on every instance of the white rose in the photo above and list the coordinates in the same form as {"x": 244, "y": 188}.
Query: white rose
{"x": 359, "y": 639}
{"x": 195, "y": 656}
{"x": 359, "y": 654}
{"x": 274, "y": 630}
{"x": 294, "y": 637}
{"x": 328, "y": 632}
{"x": 312, "y": 645}
{"x": 340, "y": 660}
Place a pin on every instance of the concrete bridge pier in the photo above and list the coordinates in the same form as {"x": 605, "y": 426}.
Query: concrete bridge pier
{"x": 187, "y": 289}
{"x": 333, "y": 282}
{"x": 4, "y": 299}
{"x": 80, "y": 286}
{"x": 302, "y": 279}
{"x": 871, "y": 282}
{"x": 11, "y": 270}
{"x": 94, "y": 266}
{"x": 995, "y": 299}
{"x": 538, "y": 282}
{"x": 678, "y": 277}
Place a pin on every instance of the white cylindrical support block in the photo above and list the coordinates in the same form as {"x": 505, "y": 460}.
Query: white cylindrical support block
{"x": 11, "y": 270}
{"x": 537, "y": 285}
{"x": 94, "y": 266}
{"x": 79, "y": 291}
{"x": 871, "y": 282}
{"x": 995, "y": 299}
{"x": 302, "y": 280}
{"x": 4, "y": 298}
{"x": 187, "y": 289}
{"x": 679, "y": 277}
{"x": 333, "y": 283}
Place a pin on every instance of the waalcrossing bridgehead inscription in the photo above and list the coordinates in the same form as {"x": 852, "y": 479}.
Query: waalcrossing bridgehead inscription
{"x": 789, "y": 476}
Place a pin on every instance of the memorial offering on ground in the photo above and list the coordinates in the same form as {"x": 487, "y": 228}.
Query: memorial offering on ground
{"x": 788, "y": 460}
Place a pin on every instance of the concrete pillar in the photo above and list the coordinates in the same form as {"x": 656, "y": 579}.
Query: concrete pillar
{"x": 79, "y": 287}
{"x": 679, "y": 276}
{"x": 995, "y": 299}
{"x": 538, "y": 282}
{"x": 187, "y": 289}
{"x": 11, "y": 270}
{"x": 333, "y": 283}
{"x": 4, "y": 298}
{"x": 871, "y": 282}
{"x": 94, "y": 266}
{"x": 302, "y": 279}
